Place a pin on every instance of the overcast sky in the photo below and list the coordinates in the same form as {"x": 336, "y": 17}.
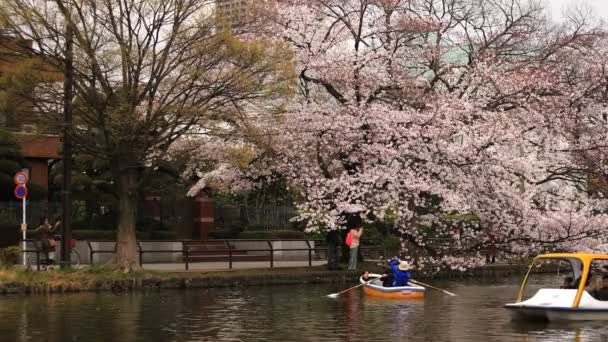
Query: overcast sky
{"x": 600, "y": 7}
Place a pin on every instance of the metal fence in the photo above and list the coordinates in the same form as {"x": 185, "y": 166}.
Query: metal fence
{"x": 226, "y": 251}
{"x": 11, "y": 212}
{"x": 82, "y": 211}
{"x": 228, "y": 216}
{"x": 173, "y": 213}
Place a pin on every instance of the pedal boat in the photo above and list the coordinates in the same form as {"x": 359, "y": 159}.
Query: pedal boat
{"x": 556, "y": 304}
{"x": 375, "y": 289}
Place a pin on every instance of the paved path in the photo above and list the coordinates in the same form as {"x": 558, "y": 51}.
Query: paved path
{"x": 223, "y": 266}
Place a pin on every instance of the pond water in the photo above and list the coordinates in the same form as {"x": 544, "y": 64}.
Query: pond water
{"x": 281, "y": 313}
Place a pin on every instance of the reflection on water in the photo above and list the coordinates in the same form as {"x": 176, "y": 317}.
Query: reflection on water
{"x": 284, "y": 313}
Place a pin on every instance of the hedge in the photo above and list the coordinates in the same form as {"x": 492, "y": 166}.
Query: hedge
{"x": 111, "y": 235}
{"x": 273, "y": 234}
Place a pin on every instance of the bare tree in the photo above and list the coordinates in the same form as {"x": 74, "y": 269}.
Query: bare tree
{"x": 146, "y": 73}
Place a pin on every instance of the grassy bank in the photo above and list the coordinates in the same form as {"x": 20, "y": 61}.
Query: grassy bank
{"x": 16, "y": 281}
{"x": 96, "y": 278}
{"x": 69, "y": 280}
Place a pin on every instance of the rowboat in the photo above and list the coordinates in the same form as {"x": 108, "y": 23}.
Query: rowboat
{"x": 374, "y": 288}
{"x": 552, "y": 301}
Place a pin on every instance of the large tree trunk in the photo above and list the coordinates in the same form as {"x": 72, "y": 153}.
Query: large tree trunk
{"x": 126, "y": 241}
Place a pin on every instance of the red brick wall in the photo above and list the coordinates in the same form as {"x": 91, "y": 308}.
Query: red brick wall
{"x": 39, "y": 146}
{"x": 204, "y": 215}
{"x": 39, "y": 171}
{"x": 37, "y": 150}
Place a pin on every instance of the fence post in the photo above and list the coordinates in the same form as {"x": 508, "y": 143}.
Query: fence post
{"x": 90, "y": 252}
{"x": 309, "y": 253}
{"x": 271, "y": 253}
{"x": 187, "y": 259}
{"x": 37, "y": 260}
{"x": 141, "y": 254}
{"x": 185, "y": 255}
{"x": 229, "y": 254}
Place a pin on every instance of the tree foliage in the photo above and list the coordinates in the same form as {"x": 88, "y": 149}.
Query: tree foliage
{"x": 480, "y": 108}
{"x": 11, "y": 162}
{"x": 146, "y": 73}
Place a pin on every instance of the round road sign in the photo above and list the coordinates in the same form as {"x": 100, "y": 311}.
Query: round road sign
{"x": 20, "y": 191}
{"x": 20, "y": 178}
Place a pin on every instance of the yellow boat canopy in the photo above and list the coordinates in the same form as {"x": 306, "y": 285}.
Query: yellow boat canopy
{"x": 583, "y": 258}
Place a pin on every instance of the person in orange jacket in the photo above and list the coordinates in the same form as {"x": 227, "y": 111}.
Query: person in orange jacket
{"x": 355, "y": 238}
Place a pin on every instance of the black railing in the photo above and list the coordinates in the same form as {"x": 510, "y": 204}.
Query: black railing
{"x": 36, "y": 250}
{"x": 231, "y": 250}
{"x": 92, "y": 252}
{"x": 189, "y": 248}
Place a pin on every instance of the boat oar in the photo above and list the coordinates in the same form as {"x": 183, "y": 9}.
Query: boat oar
{"x": 432, "y": 287}
{"x": 335, "y": 295}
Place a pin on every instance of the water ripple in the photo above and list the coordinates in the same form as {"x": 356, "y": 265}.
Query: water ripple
{"x": 283, "y": 313}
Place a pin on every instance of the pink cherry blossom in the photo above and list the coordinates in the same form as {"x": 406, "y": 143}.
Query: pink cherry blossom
{"x": 414, "y": 113}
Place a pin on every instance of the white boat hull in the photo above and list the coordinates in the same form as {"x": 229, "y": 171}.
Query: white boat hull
{"x": 556, "y": 305}
{"x": 556, "y": 314}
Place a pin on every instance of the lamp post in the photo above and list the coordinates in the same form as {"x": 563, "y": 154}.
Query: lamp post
{"x": 68, "y": 94}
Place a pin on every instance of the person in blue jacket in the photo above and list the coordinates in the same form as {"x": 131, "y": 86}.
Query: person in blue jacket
{"x": 398, "y": 274}
{"x": 401, "y": 272}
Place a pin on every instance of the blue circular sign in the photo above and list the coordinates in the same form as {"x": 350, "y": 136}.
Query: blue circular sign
{"x": 20, "y": 191}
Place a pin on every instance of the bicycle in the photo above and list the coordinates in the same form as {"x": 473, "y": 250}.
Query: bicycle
{"x": 49, "y": 263}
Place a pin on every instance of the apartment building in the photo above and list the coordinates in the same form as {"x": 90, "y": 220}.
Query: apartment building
{"x": 230, "y": 13}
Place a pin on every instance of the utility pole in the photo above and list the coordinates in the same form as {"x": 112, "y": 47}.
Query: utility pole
{"x": 68, "y": 94}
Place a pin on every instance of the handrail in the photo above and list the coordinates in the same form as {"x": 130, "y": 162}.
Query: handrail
{"x": 141, "y": 259}
{"x": 187, "y": 250}
{"x": 229, "y": 253}
{"x": 309, "y": 254}
{"x": 36, "y": 250}
{"x": 271, "y": 251}
{"x": 185, "y": 256}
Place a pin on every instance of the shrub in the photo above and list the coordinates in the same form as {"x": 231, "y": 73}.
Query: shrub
{"x": 257, "y": 227}
{"x": 111, "y": 235}
{"x": 391, "y": 245}
{"x": 10, "y": 234}
{"x": 8, "y": 216}
{"x": 36, "y": 192}
{"x": 273, "y": 234}
{"x": 106, "y": 221}
{"x": 148, "y": 224}
{"x": 94, "y": 234}
{"x": 9, "y": 255}
{"x": 230, "y": 232}
{"x": 223, "y": 235}
{"x": 163, "y": 235}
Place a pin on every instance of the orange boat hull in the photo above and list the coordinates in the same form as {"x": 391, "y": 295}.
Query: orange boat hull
{"x": 403, "y": 294}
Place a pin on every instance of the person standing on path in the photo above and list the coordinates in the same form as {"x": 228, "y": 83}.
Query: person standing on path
{"x": 45, "y": 242}
{"x": 356, "y": 230}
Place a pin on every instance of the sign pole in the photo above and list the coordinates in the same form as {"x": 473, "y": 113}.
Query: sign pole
{"x": 24, "y": 233}
{"x": 20, "y": 192}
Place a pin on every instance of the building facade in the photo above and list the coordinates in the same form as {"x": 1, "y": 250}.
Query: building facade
{"x": 40, "y": 143}
{"x": 230, "y": 13}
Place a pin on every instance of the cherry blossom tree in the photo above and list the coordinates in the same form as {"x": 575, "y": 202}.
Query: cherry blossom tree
{"x": 420, "y": 113}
